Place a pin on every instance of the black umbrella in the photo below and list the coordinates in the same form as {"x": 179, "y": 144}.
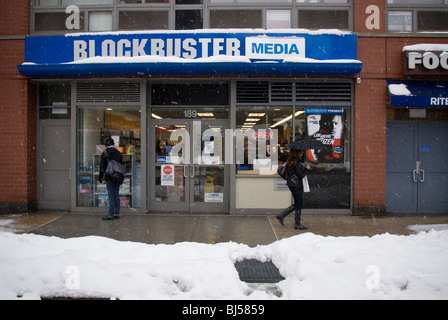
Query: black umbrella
{"x": 306, "y": 143}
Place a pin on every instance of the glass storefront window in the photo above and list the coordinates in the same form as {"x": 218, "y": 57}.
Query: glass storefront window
{"x": 414, "y": 1}
{"x": 323, "y": 19}
{"x": 400, "y": 21}
{"x": 278, "y": 19}
{"x": 94, "y": 125}
{"x": 86, "y": 2}
{"x": 235, "y": 18}
{"x": 142, "y": 1}
{"x": 188, "y": 1}
{"x": 188, "y": 19}
{"x": 258, "y": 123}
{"x": 263, "y": 1}
{"x": 100, "y": 21}
{"x": 48, "y": 2}
{"x": 330, "y": 172}
{"x": 143, "y": 20}
{"x": 330, "y": 175}
{"x": 432, "y": 21}
{"x": 324, "y": 1}
{"x": 53, "y": 21}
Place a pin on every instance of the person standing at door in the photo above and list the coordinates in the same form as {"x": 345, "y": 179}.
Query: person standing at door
{"x": 296, "y": 173}
{"x": 113, "y": 188}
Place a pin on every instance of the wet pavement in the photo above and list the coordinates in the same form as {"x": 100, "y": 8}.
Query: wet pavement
{"x": 248, "y": 229}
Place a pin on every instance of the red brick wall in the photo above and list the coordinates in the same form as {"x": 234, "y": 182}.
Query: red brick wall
{"x": 370, "y": 143}
{"x": 17, "y": 112}
{"x": 15, "y": 17}
{"x": 382, "y": 59}
{"x": 365, "y": 16}
{"x": 369, "y": 194}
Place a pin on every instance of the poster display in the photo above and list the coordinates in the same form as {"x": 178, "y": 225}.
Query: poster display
{"x": 327, "y": 126}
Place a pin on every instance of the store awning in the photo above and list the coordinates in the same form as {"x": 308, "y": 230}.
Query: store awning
{"x": 317, "y": 68}
{"x": 418, "y": 93}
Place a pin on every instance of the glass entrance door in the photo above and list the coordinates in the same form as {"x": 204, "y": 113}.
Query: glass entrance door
{"x": 187, "y": 169}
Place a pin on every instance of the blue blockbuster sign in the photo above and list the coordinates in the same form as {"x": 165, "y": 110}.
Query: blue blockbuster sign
{"x": 200, "y": 52}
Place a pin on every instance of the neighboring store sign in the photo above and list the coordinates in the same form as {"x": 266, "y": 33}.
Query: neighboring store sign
{"x": 425, "y": 59}
{"x": 418, "y": 93}
{"x": 192, "y": 52}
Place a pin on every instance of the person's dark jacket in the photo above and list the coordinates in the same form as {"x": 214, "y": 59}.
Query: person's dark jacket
{"x": 111, "y": 153}
{"x": 296, "y": 172}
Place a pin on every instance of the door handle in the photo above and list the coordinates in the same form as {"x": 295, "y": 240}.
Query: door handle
{"x": 192, "y": 169}
{"x": 185, "y": 175}
{"x": 418, "y": 172}
{"x": 422, "y": 176}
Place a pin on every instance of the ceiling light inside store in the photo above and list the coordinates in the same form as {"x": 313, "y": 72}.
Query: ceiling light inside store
{"x": 298, "y": 113}
{"x": 256, "y": 115}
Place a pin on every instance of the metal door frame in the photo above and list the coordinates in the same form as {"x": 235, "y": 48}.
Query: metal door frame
{"x": 189, "y": 206}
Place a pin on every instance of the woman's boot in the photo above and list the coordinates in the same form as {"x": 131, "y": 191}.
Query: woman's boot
{"x": 284, "y": 213}
{"x": 298, "y": 221}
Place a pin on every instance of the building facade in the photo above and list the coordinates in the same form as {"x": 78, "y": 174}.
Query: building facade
{"x": 202, "y": 97}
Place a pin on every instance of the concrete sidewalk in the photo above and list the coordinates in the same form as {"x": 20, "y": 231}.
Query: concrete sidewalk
{"x": 249, "y": 229}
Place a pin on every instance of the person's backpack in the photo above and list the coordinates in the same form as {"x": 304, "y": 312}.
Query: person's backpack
{"x": 283, "y": 171}
{"x": 115, "y": 171}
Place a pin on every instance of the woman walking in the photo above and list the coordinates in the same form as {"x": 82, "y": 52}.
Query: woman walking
{"x": 295, "y": 173}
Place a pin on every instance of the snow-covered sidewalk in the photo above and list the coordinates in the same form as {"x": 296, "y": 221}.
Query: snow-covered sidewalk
{"x": 315, "y": 267}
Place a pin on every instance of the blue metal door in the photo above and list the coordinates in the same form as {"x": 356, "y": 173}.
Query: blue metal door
{"x": 417, "y": 167}
{"x": 401, "y": 191}
{"x": 433, "y": 161}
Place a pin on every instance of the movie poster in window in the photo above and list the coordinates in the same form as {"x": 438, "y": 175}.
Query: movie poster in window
{"x": 327, "y": 126}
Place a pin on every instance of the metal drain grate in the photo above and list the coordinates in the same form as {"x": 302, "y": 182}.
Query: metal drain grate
{"x": 254, "y": 271}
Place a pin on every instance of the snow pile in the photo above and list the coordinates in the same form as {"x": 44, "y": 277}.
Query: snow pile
{"x": 297, "y": 59}
{"x": 4, "y": 224}
{"x": 159, "y": 59}
{"x": 426, "y": 47}
{"x": 399, "y": 90}
{"x": 315, "y": 267}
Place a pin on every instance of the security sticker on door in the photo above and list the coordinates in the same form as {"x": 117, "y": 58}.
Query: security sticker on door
{"x": 167, "y": 175}
{"x": 214, "y": 197}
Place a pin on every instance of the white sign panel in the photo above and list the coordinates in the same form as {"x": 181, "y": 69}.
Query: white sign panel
{"x": 214, "y": 197}
{"x": 274, "y": 48}
{"x": 167, "y": 175}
